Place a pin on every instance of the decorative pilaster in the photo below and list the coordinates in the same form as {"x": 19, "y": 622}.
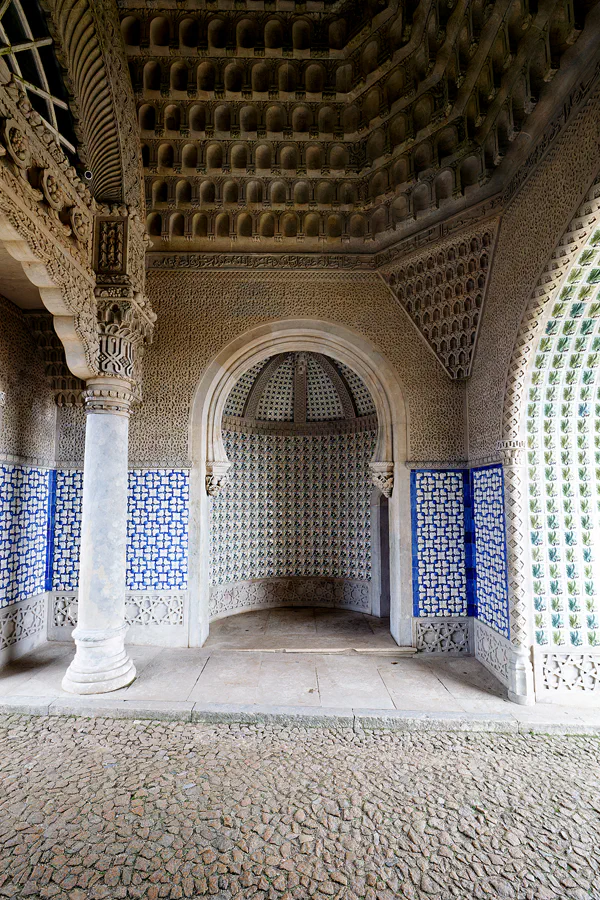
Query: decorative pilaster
{"x": 520, "y": 667}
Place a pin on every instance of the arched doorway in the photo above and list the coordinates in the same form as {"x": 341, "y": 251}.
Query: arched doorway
{"x": 343, "y": 350}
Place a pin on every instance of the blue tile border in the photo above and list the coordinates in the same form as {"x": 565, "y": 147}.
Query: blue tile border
{"x": 51, "y": 528}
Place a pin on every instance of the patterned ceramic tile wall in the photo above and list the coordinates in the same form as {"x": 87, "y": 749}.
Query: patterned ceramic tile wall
{"x": 487, "y": 490}
{"x": 295, "y": 506}
{"x": 440, "y": 584}
{"x": 563, "y": 443}
{"x": 157, "y": 532}
{"x": 67, "y": 530}
{"x": 24, "y": 512}
{"x": 157, "y": 543}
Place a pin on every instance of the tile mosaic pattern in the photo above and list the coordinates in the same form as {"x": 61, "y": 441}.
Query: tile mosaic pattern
{"x": 322, "y": 400}
{"x": 24, "y": 508}
{"x": 563, "y": 444}
{"x": 67, "y": 530}
{"x": 277, "y": 401}
{"x": 439, "y": 544}
{"x": 157, "y": 529}
{"x": 489, "y": 528}
{"x": 157, "y": 540}
{"x": 238, "y": 395}
{"x": 360, "y": 393}
{"x": 295, "y": 506}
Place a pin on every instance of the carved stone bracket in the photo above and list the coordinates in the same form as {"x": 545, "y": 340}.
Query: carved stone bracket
{"x": 217, "y": 476}
{"x": 382, "y": 476}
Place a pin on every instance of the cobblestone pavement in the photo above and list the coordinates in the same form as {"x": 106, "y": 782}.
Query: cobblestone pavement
{"x": 108, "y": 808}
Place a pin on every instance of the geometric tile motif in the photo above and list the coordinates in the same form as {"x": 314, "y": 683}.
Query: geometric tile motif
{"x": 238, "y": 395}
{"x": 24, "y": 500}
{"x": 490, "y": 547}
{"x": 67, "y": 529}
{"x": 359, "y": 391}
{"x": 439, "y": 553}
{"x": 563, "y": 450}
{"x": 157, "y": 529}
{"x": 295, "y": 505}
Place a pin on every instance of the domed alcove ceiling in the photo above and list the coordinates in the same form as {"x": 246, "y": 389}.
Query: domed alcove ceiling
{"x": 299, "y": 393}
{"x": 336, "y": 127}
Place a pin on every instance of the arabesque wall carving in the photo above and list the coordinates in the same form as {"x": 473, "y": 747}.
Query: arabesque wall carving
{"x": 28, "y": 413}
{"x": 199, "y": 312}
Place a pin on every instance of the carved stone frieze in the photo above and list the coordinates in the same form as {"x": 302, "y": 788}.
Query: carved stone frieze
{"x": 443, "y": 635}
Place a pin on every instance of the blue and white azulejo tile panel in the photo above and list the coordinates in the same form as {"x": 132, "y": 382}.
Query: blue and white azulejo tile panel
{"x": 439, "y": 553}
{"x": 157, "y": 529}
{"x": 67, "y": 530}
{"x": 24, "y": 513}
{"x": 490, "y": 547}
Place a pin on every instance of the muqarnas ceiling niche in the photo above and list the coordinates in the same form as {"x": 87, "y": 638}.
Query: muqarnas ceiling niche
{"x": 332, "y": 124}
{"x": 443, "y": 292}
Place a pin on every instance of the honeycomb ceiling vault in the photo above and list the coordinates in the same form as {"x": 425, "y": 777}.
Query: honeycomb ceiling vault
{"x": 332, "y": 127}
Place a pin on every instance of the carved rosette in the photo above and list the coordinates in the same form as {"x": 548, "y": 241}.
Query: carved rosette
{"x": 382, "y": 476}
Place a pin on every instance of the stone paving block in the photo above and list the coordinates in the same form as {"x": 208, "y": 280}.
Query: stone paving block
{"x": 29, "y": 706}
{"x": 409, "y": 720}
{"x": 324, "y": 717}
{"x": 159, "y": 710}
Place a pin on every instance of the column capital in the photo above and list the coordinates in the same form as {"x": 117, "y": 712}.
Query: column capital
{"x": 512, "y": 452}
{"x": 108, "y": 395}
{"x": 382, "y": 476}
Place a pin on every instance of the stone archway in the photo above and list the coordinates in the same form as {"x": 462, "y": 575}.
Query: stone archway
{"x": 513, "y": 450}
{"x": 210, "y": 463}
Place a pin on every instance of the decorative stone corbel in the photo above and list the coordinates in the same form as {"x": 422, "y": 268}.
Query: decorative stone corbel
{"x": 382, "y": 476}
{"x": 217, "y": 476}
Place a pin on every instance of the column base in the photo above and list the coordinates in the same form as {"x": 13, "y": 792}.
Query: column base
{"x": 101, "y": 663}
{"x": 520, "y": 677}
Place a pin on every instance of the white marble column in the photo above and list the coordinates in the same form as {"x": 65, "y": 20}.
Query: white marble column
{"x": 520, "y": 596}
{"x": 101, "y": 662}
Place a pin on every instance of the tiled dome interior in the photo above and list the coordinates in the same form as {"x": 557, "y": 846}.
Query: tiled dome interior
{"x": 305, "y": 387}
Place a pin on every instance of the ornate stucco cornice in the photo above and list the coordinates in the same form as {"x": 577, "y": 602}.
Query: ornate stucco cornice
{"x": 89, "y": 39}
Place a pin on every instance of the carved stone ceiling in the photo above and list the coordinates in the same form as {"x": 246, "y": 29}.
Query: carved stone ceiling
{"x": 336, "y": 127}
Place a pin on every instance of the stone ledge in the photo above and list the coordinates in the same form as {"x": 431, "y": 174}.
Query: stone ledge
{"x": 530, "y": 720}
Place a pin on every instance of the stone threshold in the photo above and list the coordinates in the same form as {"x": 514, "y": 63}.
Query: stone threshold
{"x": 525, "y": 720}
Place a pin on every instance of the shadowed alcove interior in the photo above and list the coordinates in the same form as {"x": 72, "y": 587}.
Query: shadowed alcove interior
{"x": 293, "y": 525}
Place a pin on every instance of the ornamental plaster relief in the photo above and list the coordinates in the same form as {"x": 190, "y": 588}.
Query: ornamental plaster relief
{"x": 531, "y": 226}
{"x": 198, "y": 313}
{"x": 28, "y": 414}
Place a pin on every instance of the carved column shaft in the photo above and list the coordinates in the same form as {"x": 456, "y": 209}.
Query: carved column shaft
{"x": 520, "y": 665}
{"x": 101, "y": 663}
